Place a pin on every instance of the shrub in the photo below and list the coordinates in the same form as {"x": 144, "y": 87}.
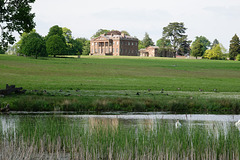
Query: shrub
{"x": 238, "y": 57}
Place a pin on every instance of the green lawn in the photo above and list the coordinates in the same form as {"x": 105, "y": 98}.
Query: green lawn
{"x": 120, "y": 73}
{"x": 113, "y": 83}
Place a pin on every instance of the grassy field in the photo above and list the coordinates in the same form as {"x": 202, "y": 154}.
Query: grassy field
{"x": 113, "y": 77}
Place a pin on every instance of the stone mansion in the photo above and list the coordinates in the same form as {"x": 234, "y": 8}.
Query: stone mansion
{"x": 114, "y": 43}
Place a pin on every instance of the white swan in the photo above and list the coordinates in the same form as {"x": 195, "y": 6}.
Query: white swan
{"x": 237, "y": 124}
{"x": 178, "y": 124}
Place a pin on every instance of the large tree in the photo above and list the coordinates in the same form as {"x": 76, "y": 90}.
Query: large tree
{"x": 197, "y": 49}
{"x": 15, "y": 15}
{"x": 56, "y": 30}
{"x": 175, "y": 32}
{"x": 147, "y": 41}
{"x": 234, "y": 48}
{"x": 33, "y": 45}
{"x": 99, "y": 32}
{"x": 55, "y": 45}
{"x": 55, "y": 41}
{"x": 200, "y": 43}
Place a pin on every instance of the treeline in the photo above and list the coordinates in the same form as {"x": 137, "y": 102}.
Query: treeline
{"x": 58, "y": 41}
{"x": 175, "y": 42}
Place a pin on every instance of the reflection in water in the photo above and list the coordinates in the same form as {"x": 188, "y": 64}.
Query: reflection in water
{"x": 8, "y": 125}
{"x": 103, "y": 123}
{"x": 147, "y": 121}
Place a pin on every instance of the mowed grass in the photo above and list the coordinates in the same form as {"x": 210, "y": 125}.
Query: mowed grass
{"x": 119, "y": 73}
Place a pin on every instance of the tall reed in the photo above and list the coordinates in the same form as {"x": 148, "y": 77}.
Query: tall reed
{"x": 58, "y": 137}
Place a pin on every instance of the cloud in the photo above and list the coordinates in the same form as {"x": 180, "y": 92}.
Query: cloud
{"x": 134, "y": 15}
{"x": 232, "y": 12}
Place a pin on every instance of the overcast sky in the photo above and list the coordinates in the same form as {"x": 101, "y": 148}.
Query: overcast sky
{"x": 218, "y": 19}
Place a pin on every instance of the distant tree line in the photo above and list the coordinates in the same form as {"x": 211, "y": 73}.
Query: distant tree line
{"x": 58, "y": 41}
{"x": 174, "y": 42}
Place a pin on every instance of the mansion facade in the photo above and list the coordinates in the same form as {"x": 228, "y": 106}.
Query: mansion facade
{"x": 114, "y": 43}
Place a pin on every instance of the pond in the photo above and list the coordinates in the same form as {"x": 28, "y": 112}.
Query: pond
{"x": 128, "y": 119}
{"x": 64, "y": 135}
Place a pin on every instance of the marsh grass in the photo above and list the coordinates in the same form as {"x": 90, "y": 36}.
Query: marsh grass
{"x": 58, "y": 137}
{"x": 128, "y": 103}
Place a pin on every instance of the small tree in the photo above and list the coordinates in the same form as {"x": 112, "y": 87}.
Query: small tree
{"x": 215, "y": 53}
{"x": 204, "y": 41}
{"x": 238, "y": 57}
{"x": 197, "y": 49}
{"x": 147, "y": 41}
{"x": 55, "y": 45}
{"x": 234, "y": 48}
{"x": 33, "y": 45}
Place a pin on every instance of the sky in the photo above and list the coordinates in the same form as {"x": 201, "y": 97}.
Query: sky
{"x": 214, "y": 19}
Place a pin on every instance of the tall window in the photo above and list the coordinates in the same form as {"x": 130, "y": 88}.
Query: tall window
{"x": 117, "y": 50}
{"x": 113, "y": 50}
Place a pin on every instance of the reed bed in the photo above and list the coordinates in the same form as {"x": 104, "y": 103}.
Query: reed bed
{"x": 62, "y": 138}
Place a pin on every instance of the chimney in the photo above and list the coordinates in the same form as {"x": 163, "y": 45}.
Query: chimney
{"x": 123, "y": 35}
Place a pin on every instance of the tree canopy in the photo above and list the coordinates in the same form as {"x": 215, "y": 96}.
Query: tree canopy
{"x": 199, "y": 46}
{"x": 33, "y": 45}
{"x": 215, "y": 53}
{"x": 14, "y": 16}
{"x": 234, "y": 48}
{"x": 147, "y": 41}
{"x": 175, "y": 32}
{"x": 99, "y": 32}
{"x": 197, "y": 49}
{"x": 55, "y": 45}
{"x": 86, "y": 48}
{"x": 215, "y": 42}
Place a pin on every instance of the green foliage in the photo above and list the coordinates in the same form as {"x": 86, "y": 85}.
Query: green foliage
{"x": 55, "y": 45}
{"x": 86, "y": 48}
{"x": 99, "y": 32}
{"x": 165, "y": 48}
{"x": 215, "y": 53}
{"x": 175, "y": 32}
{"x": 215, "y": 42}
{"x": 234, "y": 49}
{"x": 125, "y": 32}
{"x": 140, "y": 45}
{"x": 78, "y": 45}
{"x": 238, "y": 57}
{"x": 2, "y": 51}
{"x": 184, "y": 48}
{"x": 198, "y": 49}
{"x": 33, "y": 45}
{"x": 147, "y": 41}
{"x": 14, "y": 16}
{"x": 67, "y": 33}
{"x": 56, "y": 30}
